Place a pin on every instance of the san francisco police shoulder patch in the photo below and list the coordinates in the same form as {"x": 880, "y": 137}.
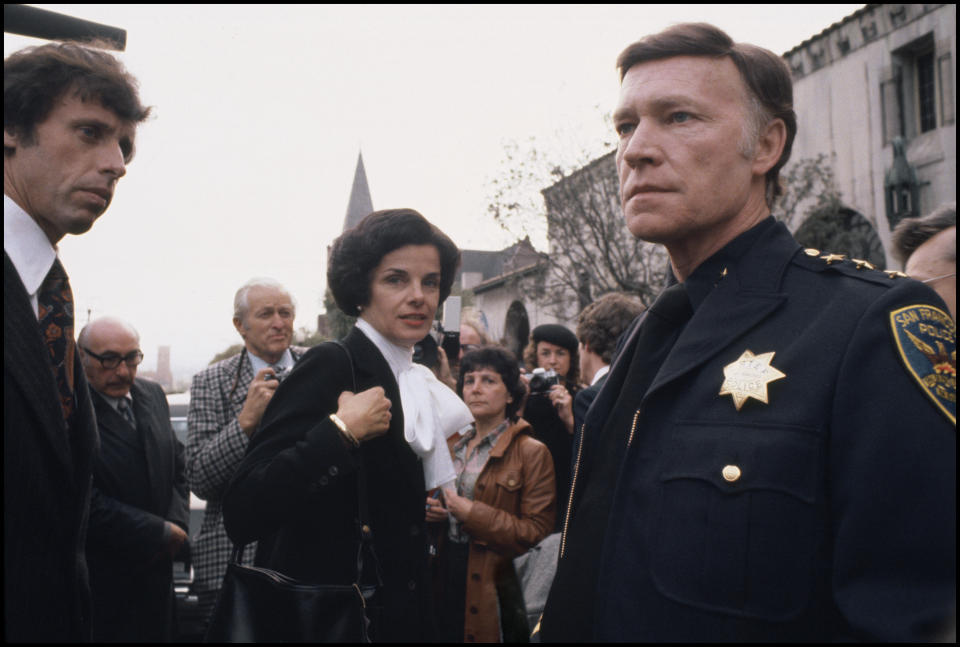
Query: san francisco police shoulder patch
{"x": 926, "y": 339}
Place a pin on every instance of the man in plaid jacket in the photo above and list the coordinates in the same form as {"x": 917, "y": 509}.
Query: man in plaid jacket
{"x": 227, "y": 401}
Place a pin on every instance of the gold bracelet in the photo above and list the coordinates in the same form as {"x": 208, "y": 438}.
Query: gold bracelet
{"x": 343, "y": 429}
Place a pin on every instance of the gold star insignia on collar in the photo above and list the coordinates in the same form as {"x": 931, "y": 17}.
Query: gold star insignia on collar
{"x": 860, "y": 263}
{"x": 895, "y": 274}
{"x": 748, "y": 377}
{"x": 832, "y": 258}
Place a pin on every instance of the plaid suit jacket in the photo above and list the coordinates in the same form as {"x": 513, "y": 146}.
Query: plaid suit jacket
{"x": 215, "y": 447}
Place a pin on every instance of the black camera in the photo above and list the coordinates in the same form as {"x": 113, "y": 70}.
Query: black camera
{"x": 542, "y": 380}
{"x": 444, "y": 334}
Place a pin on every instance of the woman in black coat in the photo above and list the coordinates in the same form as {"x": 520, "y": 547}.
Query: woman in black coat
{"x": 296, "y": 490}
{"x": 549, "y": 407}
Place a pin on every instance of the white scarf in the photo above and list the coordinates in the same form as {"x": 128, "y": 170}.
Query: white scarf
{"x": 432, "y": 412}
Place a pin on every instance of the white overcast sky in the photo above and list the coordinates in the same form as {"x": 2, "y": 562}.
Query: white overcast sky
{"x": 246, "y": 167}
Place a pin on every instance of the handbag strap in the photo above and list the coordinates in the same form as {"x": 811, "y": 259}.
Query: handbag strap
{"x": 366, "y": 532}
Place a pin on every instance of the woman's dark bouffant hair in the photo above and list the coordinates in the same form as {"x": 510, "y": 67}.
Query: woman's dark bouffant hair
{"x": 503, "y": 362}
{"x": 358, "y": 251}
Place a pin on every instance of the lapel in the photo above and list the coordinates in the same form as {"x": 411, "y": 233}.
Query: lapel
{"x": 156, "y": 445}
{"x": 746, "y": 296}
{"x": 23, "y": 346}
{"x": 242, "y": 382}
{"x": 372, "y": 370}
{"x": 108, "y": 419}
{"x": 503, "y": 442}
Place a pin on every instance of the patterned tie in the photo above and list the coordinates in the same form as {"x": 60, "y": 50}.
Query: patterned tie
{"x": 124, "y": 407}
{"x": 55, "y": 301}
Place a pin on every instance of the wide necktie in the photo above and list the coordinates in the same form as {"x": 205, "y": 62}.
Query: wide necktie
{"x": 123, "y": 406}
{"x": 55, "y": 301}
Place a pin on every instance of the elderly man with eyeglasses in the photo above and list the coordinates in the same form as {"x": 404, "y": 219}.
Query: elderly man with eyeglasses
{"x": 139, "y": 508}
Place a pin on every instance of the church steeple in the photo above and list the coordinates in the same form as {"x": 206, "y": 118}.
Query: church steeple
{"x": 360, "y": 204}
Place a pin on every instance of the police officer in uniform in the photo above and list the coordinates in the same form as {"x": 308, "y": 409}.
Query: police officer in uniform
{"x": 773, "y": 455}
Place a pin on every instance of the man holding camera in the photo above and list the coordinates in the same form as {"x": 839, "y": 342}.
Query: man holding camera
{"x": 227, "y": 401}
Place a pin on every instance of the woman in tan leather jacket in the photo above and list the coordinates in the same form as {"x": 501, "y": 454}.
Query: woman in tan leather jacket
{"x": 504, "y": 504}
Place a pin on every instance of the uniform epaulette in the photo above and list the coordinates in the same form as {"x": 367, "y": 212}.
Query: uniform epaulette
{"x": 817, "y": 261}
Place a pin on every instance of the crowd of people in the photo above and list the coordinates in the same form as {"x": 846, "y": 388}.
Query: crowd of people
{"x": 767, "y": 452}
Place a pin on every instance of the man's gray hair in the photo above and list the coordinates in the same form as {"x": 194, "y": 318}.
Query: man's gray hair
{"x": 910, "y": 233}
{"x": 241, "y": 302}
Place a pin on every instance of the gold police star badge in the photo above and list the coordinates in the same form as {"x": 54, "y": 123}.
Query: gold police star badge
{"x": 748, "y": 377}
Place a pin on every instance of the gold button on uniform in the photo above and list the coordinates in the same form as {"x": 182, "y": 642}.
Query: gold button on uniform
{"x": 731, "y": 473}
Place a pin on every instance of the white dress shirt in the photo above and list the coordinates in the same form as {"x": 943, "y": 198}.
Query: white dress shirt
{"x": 28, "y": 247}
{"x": 603, "y": 370}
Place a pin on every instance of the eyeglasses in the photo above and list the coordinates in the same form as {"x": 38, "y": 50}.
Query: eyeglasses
{"x": 111, "y": 361}
{"x": 937, "y": 278}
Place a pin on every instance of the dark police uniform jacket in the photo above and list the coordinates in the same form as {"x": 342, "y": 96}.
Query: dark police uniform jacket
{"x": 828, "y": 513}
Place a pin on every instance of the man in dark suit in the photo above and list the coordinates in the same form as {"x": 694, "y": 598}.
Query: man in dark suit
{"x": 69, "y": 120}
{"x": 599, "y": 326}
{"x": 139, "y": 514}
{"x": 773, "y": 454}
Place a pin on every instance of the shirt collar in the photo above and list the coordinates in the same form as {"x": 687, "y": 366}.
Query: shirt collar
{"x": 115, "y": 402}
{"x": 709, "y": 274}
{"x": 471, "y": 431}
{"x": 27, "y": 246}
{"x": 603, "y": 370}
{"x": 285, "y": 362}
{"x": 398, "y": 357}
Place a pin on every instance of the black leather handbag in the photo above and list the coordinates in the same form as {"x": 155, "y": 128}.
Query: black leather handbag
{"x": 261, "y": 605}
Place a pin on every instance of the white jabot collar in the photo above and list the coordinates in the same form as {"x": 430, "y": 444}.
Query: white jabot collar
{"x": 27, "y": 246}
{"x": 432, "y": 412}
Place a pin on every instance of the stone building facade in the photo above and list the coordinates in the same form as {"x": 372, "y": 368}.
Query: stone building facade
{"x": 884, "y": 72}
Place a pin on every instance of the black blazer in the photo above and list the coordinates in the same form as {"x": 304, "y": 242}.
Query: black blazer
{"x": 138, "y": 485}
{"x": 46, "y": 484}
{"x": 296, "y": 489}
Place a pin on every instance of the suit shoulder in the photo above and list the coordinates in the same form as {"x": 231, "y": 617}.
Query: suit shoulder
{"x": 150, "y": 387}
{"x": 324, "y": 352}
{"x": 218, "y": 368}
{"x": 525, "y": 442}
